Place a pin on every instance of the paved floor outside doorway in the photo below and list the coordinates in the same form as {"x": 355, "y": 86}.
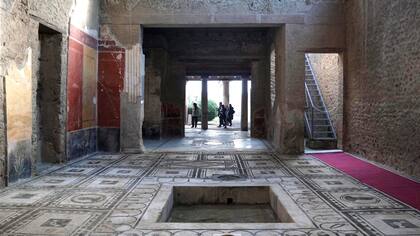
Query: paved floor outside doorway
{"x": 213, "y": 139}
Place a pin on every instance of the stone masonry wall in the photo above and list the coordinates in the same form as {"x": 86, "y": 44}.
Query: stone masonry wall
{"x": 327, "y": 68}
{"x": 19, "y": 66}
{"x": 20, "y": 40}
{"x": 381, "y": 87}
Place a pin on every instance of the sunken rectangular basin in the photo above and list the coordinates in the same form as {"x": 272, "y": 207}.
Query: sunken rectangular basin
{"x": 230, "y": 204}
{"x": 223, "y": 206}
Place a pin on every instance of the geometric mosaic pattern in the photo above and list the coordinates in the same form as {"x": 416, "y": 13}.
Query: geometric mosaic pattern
{"x": 108, "y": 195}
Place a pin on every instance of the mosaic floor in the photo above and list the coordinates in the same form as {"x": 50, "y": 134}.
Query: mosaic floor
{"x": 108, "y": 195}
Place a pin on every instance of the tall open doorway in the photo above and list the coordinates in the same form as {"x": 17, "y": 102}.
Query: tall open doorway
{"x": 48, "y": 130}
{"x": 323, "y": 101}
{"x": 226, "y": 90}
{"x": 193, "y": 95}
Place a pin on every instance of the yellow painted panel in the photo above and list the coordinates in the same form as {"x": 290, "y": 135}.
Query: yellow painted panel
{"x": 89, "y": 87}
{"x": 19, "y": 101}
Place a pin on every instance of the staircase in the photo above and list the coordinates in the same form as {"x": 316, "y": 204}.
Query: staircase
{"x": 318, "y": 126}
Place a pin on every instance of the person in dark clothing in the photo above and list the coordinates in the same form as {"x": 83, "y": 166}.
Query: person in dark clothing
{"x": 195, "y": 114}
{"x": 221, "y": 113}
{"x": 229, "y": 114}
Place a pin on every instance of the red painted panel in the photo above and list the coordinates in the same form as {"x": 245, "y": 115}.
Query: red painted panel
{"x": 74, "y": 86}
{"x": 111, "y": 65}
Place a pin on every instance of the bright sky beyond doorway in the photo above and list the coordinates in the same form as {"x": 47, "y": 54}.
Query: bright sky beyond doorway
{"x": 215, "y": 93}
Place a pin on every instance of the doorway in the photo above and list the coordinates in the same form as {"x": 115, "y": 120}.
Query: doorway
{"x": 323, "y": 101}
{"x": 219, "y": 90}
{"x": 48, "y": 97}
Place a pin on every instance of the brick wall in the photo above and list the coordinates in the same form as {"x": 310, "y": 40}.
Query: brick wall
{"x": 381, "y": 87}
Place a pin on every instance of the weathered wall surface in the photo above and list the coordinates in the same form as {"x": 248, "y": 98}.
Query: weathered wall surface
{"x": 22, "y": 41}
{"x": 291, "y": 41}
{"x": 183, "y": 12}
{"x": 82, "y": 80}
{"x": 381, "y": 87}
{"x": 19, "y": 49}
{"x": 328, "y": 70}
{"x": 19, "y": 116}
{"x": 48, "y": 106}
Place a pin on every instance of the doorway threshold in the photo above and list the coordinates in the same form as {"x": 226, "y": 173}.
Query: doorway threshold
{"x": 313, "y": 151}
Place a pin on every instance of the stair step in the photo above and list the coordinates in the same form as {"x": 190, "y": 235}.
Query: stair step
{"x": 313, "y": 92}
{"x": 319, "y": 121}
{"x": 313, "y": 88}
{"x": 322, "y": 128}
{"x": 324, "y": 137}
{"x": 317, "y": 113}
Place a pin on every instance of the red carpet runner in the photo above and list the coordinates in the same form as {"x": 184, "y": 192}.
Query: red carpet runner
{"x": 401, "y": 188}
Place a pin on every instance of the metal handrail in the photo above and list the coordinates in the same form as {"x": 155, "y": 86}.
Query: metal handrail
{"x": 310, "y": 116}
{"x": 313, "y": 105}
{"x": 306, "y": 116}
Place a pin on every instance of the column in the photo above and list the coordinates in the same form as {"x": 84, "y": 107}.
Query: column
{"x": 204, "y": 104}
{"x": 244, "y": 105}
{"x": 155, "y": 71}
{"x": 260, "y": 98}
{"x": 289, "y": 126}
{"x": 173, "y": 100}
{"x": 226, "y": 92}
{"x": 132, "y": 99}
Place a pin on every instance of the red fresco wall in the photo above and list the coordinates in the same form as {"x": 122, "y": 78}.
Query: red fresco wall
{"x": 82, "y": 94}
{"x": 81, "y": 46}
{"x": 74, "y": 86}
{"x": 111, "y": 65}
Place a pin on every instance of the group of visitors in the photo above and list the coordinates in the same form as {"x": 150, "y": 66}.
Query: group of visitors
{"x": 225, "y": 114}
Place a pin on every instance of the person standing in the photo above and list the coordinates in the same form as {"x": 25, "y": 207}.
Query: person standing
{"x": 229, "y": 114}
{"x": 221, "y": 113}
{"x": 195, "y": 114}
